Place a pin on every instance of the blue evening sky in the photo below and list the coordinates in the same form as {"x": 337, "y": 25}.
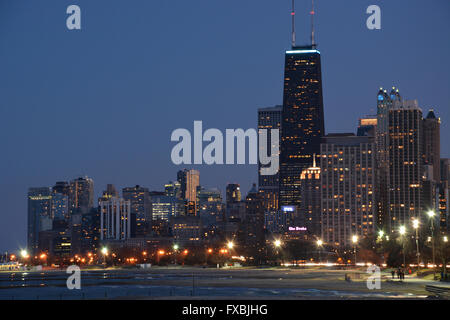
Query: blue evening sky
{"x": 103, "y": 101}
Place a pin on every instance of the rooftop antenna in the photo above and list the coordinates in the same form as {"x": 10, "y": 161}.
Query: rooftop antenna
{"x": 313, "y": 42}
{"x": 293, "y": 23}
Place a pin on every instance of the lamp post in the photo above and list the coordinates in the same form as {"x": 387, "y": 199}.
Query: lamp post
{"x": 402, "y": 233}
{"x": 175, "y": 251}
{"x": 277, "y": 245}
{"x": 104, "y": 253}
{"x": 380, "y": 236}
{"x": 355, "y": 242}
{"x": 431, "y": 214}
{"x": 416, "y": 226}
{"x": 319, "y": 244}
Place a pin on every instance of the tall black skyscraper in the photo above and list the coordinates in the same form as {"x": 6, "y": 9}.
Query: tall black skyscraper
{"x": 302, "y": 120}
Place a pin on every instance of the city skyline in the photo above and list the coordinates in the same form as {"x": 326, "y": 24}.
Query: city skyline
{"x": 214, "y": 174}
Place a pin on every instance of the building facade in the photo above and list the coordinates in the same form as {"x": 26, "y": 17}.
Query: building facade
{"x": 302, "y": 120}
{"x": 269, "y": 185}
{"x": 348, "y": 188}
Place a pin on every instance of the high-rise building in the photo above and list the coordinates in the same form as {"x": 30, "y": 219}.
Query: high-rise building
{"x": 39, "y": 212}
{"x": 233, "y": 193}
{"x": 141, "y": 210}
{"x": 404, "y": 187}
{"x": 444, "y": 196}
{"x": 269, "y": 185}
{"x": 384, "y": 104}
{"x": 367, "y": 126}
{"x": 348, "y": 188}
{"x": 189, "y": 181}
{"x": 251, "y": 232}
{"x": 165, "y": 207}
{"x": 60, "y": 206}
{"x": 173, "y": 189}
{"x": 309, "y": 215}
{"x": 302, "y": 120}
{"x": 432, "y": 144}
{"x": 81, "y": 198}
{"x": 235, "y": 208}
{"x": 210, "y": 206}
{"x": 115, "y": 219}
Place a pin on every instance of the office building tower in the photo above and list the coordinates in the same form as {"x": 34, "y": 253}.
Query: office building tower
{"x": 173, "y": 189}
{"x": 405, "y": 163}
{"x": 115, "y": 219}
{"x": 62, "y": 187}
{"x": 269, "y": 185}
{"x": 81, "y": 198}
{"x": 444, "y": 197}
{"x": 251, "y": 236}
{"x": 166, "y": 207}
{"x": 384, "y": 104}
{"x": 309, "y": 215}
{"x": 367, "y": 126}
{"x": 432, "y": 144}
{"x": 187, "y": 230}
{"x": 302, "y": 120}
{"x": 141, "y": 210}
{"x": 235, "y": 208}
{"x": 348, "y": 185}
{"x": 233, "y": 193}
{"x": 39, "y": 212}
{"x": 210, "y": 206}
{"x": 189, "y": 181}
{"x": 60, "y": 206}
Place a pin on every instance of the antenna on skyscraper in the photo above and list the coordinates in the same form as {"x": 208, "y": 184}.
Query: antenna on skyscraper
{"x": 313, "y": 42}
{"x": 293, "y": 23}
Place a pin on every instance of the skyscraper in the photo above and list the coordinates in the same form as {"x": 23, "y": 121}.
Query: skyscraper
{"x": 310, "y": 209}
{"x": 81, "y": 197}
{"x": 115, "y": 219}
{"x": 302, "y": 119}
{"x": 348, "y": 182}
{"x": 404, "y": 190}
{"x": 251, "y": 232}
{"x": 141, "y": 210}
{"x": 432, "y": 144}
{"x": 39, "y": 211}
{"x": 269, "y": 185}
{"x": 189, "y": 181}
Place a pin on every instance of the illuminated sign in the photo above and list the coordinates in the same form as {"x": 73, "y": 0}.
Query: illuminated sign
{"x": 288, "y": 208}
{"x": 298, "y": 229}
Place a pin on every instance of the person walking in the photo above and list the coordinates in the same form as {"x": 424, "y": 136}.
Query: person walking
{"x": 393, "y": 274}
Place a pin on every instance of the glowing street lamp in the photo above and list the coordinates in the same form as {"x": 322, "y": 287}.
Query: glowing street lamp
{"x": 104, "y": 252}
{"x": 355, "y": 242}
{"x": 381, "y": 234}
{"x": 277, "y": 243}
{"x": 416, "y": 226}
{"x": 402, "y": 231}
{"x": 24, "y": 254}
{"x": 320, "y": 244}
{"x": 175, "y": 247}
{"x": 230, "y": 245}
{"x": 431, "y": 214}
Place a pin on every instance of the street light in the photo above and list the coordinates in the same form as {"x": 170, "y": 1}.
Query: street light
{"x": 416, "y": 226}
{"x": 355, "y": 241}
{"x": 230, "y": 245}
{"x": 104, "y": 252}
{"x": 24, "y": 254}
{"x": 431, "y": 214}
{"x": 277, "y": 243}
{"x": 402, "y": 233}
{"x": 319, "y": 244}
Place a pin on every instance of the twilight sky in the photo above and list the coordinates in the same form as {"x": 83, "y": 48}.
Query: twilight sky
{"x": 103, "y": 101}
